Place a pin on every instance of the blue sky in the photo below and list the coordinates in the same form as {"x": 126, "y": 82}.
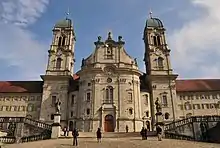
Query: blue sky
{"x": 26, "y": 32}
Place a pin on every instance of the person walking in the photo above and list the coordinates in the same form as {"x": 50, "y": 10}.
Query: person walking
{"x": 159, "y": 133}
{"x": 142, "y": 133}
{"x": 145, "y": 133}
{"x": 99, "y": 135}
{"x": 75, "y": 134}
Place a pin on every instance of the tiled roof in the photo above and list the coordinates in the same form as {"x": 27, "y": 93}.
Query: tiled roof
{"x": 193, "y": 85}
{"x": 28, "y": 86}
{"x": 21, "y": 86}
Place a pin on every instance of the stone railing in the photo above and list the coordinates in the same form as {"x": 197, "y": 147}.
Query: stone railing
{"x": 25, "y": 120}
{"x": 37, "y": 124}
{"x": 179, "y": 123}
{"x": 43, "y": 136}
{"x": 7, "y": 139}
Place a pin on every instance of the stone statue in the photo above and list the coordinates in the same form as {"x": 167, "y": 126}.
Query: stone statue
{"x": 158, "y": 105}
{"x": 119, "y": 38}
{"x": 109, "y": 36}
{"x": 58, "y": 103}
{"x": 135, "y": 61}
{"x": 99, "y": 38}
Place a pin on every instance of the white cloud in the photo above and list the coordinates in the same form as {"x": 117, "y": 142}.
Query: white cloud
{"x": 18, "y": 45}
{"x": 196, "y": 44}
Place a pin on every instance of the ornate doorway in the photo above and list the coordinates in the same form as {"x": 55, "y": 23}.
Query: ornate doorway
{"x": 109, "y": 123}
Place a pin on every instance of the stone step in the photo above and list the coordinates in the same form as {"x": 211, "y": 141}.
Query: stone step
{"x": 108, "y": 134}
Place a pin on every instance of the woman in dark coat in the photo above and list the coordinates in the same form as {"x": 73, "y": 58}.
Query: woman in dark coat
{"x": 99, "y": 135}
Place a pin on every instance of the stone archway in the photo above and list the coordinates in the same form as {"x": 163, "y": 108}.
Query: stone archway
{"x": 109, "y": 123}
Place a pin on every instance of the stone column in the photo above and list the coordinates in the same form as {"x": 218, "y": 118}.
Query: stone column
{"x": 56, "y": 127}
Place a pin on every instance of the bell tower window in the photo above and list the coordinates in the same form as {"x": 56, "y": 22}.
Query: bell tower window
{"x": 157, "y": 40}
{"x": 59, "y": 41}
{"x": 160, "y": 63}
{"x": 58, "y": 63}
{"x": 63, "y": 41}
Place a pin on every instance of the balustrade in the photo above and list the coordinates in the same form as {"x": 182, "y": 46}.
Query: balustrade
{"x": 7, "y": 139}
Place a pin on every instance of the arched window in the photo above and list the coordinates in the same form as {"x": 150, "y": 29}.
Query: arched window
{"x": 58, "y": 63}
{"x": 188, "y": 106}
{"x": 88, "y": 111}
{"x": 167, "y": 115}
{"x": 63, "y": 41}
{"x": 160, "y": 63}
{"x": 30, "y": 107}
{"x": 59, "y": 41}
{"x": 109, "y": 94}
{"x": 130, "y": 111}
{"x": 164, "y": 100}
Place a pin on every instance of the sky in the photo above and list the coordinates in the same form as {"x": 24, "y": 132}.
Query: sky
{"x": 192, "y": 32}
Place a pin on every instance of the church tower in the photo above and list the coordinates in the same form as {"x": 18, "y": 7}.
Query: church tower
{"x": 159, "y": 72}
{"x": 59, "y": 70}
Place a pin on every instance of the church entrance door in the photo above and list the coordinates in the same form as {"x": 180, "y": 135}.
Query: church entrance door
{"x": 109, "y": 123}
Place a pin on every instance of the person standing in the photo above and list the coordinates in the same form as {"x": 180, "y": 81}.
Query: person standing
{"x": 75, "y": 134}
{"x": 64, "y": 131}
{"x": 159, "y": 133}
{"x": 99, "y": 135}
{"x": 126, "y": 128}
{"x": 67, "y": 131}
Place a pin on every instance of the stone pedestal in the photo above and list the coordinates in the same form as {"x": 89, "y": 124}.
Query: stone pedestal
{"x": 56, "y": 127}
{"x": 159, "y": 119}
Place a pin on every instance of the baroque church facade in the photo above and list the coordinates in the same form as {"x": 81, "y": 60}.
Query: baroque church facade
{"x": 109, "y": 91}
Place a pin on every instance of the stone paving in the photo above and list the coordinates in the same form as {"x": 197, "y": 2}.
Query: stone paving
{"x": 115, "y": 143}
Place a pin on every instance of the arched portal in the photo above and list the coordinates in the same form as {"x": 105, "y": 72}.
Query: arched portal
{"x": 109, "y": 123}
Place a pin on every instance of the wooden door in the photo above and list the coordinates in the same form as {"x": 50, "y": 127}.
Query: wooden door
{"x": 109, "y": 123}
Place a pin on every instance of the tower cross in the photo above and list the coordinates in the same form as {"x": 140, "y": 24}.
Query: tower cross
{"x": 150, "y": 13}
{"x": 67, "y": 13}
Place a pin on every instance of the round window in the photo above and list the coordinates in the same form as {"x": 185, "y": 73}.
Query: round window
{"x": 109, "y": 80}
